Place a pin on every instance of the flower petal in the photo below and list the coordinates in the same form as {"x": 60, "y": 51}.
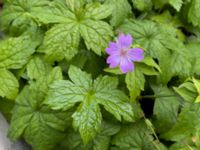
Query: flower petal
{"x": 136, "y": 54}
{"x": 126, "y": 65}
{"x": 113, "y": 47}
{"x": 125, "y": 40}
{"x": 113, "y": 61}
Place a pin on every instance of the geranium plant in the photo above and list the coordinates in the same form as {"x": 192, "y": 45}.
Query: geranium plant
{"x": 101, "y": 74}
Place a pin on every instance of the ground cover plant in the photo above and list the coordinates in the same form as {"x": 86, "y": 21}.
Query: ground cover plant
{"x": 101, "y": 74}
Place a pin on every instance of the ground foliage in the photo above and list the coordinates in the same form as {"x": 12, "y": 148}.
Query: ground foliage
{"x": 57, "y": 91}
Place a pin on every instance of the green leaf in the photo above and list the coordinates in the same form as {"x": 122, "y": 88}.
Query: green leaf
{"x": 37, "y": 67}
{"x": 116, "y": 70}
{"x": 135, "y": 136}
{"x": 194, "y": 13}
{"x": 121, "y": 10}
{"x": 6, "y": 107}
{"x": 147, "y": 70}
{"x": 113, "y": 100}
{"x": 96, "y": 35}
{"x": 188, "y": 119}
{"x": 135, "y": 83}
{"x": 142, "y": 5}
{"x": 41, "y": 85}
{"x": 19, "y": 14}
{"x": 74, "y": 4}
{"x": 61, "y": 41}
{"x": 179, "y": 58}
{"x": 97, "y": 11}
{"x": 135, "y": 80}
{"x": 194, "y": 46}
{"x": 9, "y": 84}
{"x": 150, "y": 62}
{"x": 56, "y": 12}
{"x": 73, "y": 141}
{"x": 40, "y": 126}
{"x": 183, "y": 146}
{"x": 166, "y": 108}
{"x": 15, "y": 52}
{"x": 197, "y": 86}
{"x": 87, "y": 119}
{"x": 177, "y": 4}
{"x": 34, "y": 121}
{"x": 101, "y": 142}
{"x": 80, "y": 78}
{"x": 170, "y": 22}
{"x": 159, "y": 3}
{"x": 64, "y": 94}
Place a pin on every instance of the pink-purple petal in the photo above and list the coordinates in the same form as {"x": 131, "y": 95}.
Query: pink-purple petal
{"x": 113, "y": 61}
{"x": 136, "y": 54}
{"x": 126, "y": 65}
{"x": 113, "y": 47}
{"x": 125, "y": 41}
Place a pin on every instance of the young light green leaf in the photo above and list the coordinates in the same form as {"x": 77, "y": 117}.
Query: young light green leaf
{"x": 177, "y": 4}
{"x": 194, "y": 12}
{"x": 147, "y": 70}
{"x": 187, "y": 91}
{"x": 197, "y": 85}
{"x": 64, "y": 94}
{"x": 9, "y": 84}
{"x": 150, "y": 62}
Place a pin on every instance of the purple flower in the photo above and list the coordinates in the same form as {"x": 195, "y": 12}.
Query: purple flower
{"x": 122, "y": 54}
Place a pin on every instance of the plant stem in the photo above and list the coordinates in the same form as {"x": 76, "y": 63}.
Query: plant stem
{"x": 154, "y": 96}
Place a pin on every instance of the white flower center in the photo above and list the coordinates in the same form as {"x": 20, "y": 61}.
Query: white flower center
{"x": 124, "y": 52}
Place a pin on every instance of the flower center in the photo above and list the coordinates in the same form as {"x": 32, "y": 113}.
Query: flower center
{"x": 124, "y": 52}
